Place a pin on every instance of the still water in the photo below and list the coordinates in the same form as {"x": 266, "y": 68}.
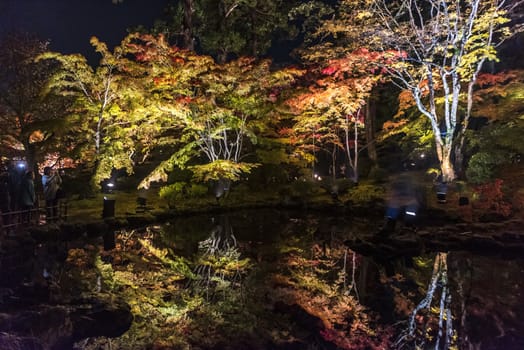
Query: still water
{"x": 437, "y": 300}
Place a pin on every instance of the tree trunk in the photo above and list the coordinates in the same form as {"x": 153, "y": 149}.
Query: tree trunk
{"x": 369, "y": 123}
{"x": 446, "y": 165}
{"x": 254, "y": 38}
{"x": 459, "y": 156}
{"x": 30, "y": 155}
{"x": 222, "y": 51}
{"x": 188, "y": 25}
{"x": 334, "y": 163}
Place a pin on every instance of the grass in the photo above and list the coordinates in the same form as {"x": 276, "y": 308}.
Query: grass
{"x": 90, "y": 209}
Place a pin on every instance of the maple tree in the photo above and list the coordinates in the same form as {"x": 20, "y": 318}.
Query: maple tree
{"x": 443, "y": 46}
{"x": 31, "y": 116}
{"x": 109, "y": 114}
{"x": 439, "y": 49}
{"x": 335, "y": 30}
{"x": 215, "y": 110}
{"x": 330, "y": 112}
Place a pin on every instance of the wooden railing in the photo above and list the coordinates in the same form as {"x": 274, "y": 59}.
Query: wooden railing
{"x": 13, "y": 220}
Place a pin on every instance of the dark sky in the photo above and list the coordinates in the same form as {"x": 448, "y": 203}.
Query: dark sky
{"x": 69, "y": 24}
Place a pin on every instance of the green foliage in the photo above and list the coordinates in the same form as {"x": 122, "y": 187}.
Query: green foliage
{"x": 177, "y": 264}
{"x": 32, "y": 117}
{"x": 221, "y": 169}
{"x": 197, "y": 190}
{"x": 179, "y": 191}
{"x": 496, "y": 145}
{"x": 113, "y": 127}
{"x": 106, "y": 273}
{"x": 218, "y": 111}
{"x": 229, "y": 28}
{"x": 304, "y": 189}
{"x": 332, "y": 30}
{"x": 482, "y": 166}
{"x": 365, "y": 193}
{"x": 173, "y": 193}
{"x": 410, "y": 131}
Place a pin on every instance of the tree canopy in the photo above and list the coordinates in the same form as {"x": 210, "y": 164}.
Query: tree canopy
{"x": 224, "y": 114}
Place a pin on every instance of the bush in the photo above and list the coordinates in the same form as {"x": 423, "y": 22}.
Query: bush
{"x": 173, "y": 193}
{"x": 181, "y": 190}
{"x": 303, "y": 188}
{"x": 364, "y": 193}
{"x": 197, "y": 191}
{"x": 300, "y": 189}
{"x": 490, "y": 199}
{"x": 481, "y": 167}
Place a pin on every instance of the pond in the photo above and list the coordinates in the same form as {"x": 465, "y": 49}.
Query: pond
{"x": 268, "y": 279}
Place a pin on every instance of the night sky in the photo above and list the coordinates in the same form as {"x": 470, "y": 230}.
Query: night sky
{"x": 69, "y": 24}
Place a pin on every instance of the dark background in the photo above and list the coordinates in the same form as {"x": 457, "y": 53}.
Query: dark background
{"x": 69, "y": 24}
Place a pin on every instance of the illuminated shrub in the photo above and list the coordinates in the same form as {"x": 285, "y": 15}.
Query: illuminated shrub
{"x": 490, "y": 199}
{"x": 481, "y": 167}
{"x": 196, "y": 190}
{"x": 180, "y": 191}
{"x": 366, "y": 193}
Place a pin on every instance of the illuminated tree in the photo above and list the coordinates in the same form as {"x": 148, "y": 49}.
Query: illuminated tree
{"x": 336, "y": 30}
{"x": 215, "y": 110}
{"x": 331, "y": 111}
{"x": 442, "y": 47}
{"x": 30, "y": 116}
{"x": 442, "y": 323}
{"x": 108, "y": 115}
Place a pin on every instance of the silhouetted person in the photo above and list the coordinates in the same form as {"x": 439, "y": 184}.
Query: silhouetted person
{"x": 51, "y": 181}
{"x": 14, "y": 178}
{"x": 5, "y": 199}
{"x": 27, "y": 197}
{"x": 403, "y": 202}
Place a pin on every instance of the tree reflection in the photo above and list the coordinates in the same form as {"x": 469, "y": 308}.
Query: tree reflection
{"x": 422, "y": 322}
{"x": 219, "y": 266}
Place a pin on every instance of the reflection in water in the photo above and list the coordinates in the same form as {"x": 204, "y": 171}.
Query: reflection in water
{"x": 447, "y": 300}
{"x": 456, "y": 300}
{"x": 221, "y": 241}
{"x": 419, "y": 328}
{"x": 353, "y": 285}
{"x": 219, "y": 265}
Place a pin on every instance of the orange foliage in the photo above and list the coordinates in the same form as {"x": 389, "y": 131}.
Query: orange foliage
{"x": 390, "y": 125}
{"x": 341, "y": 319}
{"x": 405, "y": 102}
{"x": 487, "y": 79}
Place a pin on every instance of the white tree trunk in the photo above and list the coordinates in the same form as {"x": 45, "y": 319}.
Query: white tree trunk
{"x": 442, "y": 45}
